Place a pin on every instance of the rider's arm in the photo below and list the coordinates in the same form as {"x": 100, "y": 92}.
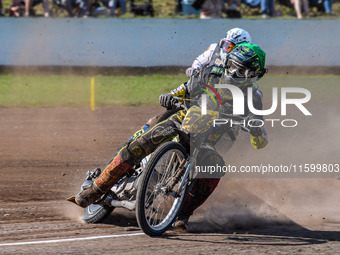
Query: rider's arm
{"x": 169, "y": 100}
{"x": 204, "y": 59}
{"x": 260, "y": 140}
{"x": 181, "y": 91}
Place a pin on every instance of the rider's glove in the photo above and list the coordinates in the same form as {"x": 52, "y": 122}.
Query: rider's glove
{"x": 255, "y": 127}
{"x": 191, "y": 71}
{"x": 167, "y": 100}
{"x": 258, "y": 142}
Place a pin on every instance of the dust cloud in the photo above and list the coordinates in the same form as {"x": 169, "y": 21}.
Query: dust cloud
{"x": 72, "y": 212}
{"x": 263, "y": 200}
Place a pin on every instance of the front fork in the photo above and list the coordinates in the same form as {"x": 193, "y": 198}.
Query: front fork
{"x": 185, "y": 171}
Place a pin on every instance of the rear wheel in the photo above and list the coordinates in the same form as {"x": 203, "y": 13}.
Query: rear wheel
{"x": 95, "y": 213}
{"x": 158, "y": 203}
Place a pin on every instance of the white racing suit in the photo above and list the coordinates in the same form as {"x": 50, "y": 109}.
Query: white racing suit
{"x": 204, "y": 59}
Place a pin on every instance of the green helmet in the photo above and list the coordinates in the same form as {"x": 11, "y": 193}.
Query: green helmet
{"x": 246, "y": 63}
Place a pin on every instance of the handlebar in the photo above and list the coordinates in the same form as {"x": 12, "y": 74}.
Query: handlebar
{"x": 180, "y": 105}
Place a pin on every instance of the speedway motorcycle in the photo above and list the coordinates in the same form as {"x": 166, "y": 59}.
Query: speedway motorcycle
{"x": 156, "y": 188}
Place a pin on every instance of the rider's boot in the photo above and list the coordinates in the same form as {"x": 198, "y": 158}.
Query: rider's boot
{"x": 130, "y": 154}
{"x": 110, "y": 176}
{"x": 90, "y": 194}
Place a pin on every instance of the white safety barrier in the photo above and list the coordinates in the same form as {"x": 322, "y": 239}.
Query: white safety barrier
{"x": 160, "y": 42}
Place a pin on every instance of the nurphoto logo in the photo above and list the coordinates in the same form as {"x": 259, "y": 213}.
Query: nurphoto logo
{"x": 238, "y": 105}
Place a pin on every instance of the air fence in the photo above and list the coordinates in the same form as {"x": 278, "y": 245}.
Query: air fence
{"x": 160, "y": 42}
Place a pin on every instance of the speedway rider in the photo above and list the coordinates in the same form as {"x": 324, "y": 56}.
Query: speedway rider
{"x": 214, "y": 55}
{"x": 242, "y": 67}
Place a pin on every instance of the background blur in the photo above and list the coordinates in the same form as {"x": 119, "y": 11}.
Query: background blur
{"x": 177, "y": 8}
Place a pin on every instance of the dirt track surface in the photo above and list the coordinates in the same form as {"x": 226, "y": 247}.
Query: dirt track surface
{"x": 45, "y": 153}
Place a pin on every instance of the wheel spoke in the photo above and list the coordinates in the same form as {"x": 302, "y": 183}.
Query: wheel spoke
{"x": 169, "y": 165}
{"x": 150, "y": 207}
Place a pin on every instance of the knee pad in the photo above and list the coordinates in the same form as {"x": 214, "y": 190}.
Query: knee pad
{"x": 148, "y": 142}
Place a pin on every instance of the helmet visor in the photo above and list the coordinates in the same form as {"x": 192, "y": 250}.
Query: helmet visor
{"x": 227, "y": 46}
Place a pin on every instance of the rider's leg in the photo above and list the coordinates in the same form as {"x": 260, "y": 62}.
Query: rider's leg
{"x": 160, "y": 117}
{"x": 128, "y": 156}
{"x": 202, "y": 189}
{"x": 200, "y": 192}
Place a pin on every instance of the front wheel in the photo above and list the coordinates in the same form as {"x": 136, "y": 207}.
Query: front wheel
{"x": 158, "y": 203}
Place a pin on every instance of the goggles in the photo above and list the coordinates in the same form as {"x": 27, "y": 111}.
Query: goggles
{"x": 227, "y": 46}
{"x": 240, "y": 71}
